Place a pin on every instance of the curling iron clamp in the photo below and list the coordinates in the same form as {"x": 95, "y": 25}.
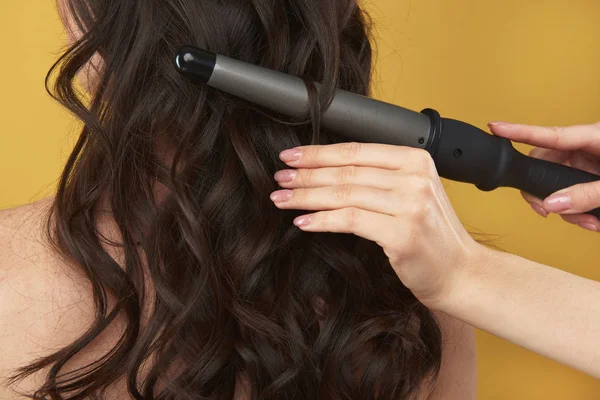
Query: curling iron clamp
{"x": 461, "y": 152}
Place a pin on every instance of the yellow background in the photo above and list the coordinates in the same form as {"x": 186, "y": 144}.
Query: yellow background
{"x": 534, "y": 62}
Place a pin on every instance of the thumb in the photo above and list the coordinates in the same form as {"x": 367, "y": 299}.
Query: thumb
{"x": 580, "y": 137}
{"x": 574, "y": 200}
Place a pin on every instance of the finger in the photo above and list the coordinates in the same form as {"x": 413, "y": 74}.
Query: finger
{"x": 585, "y": 221}
{"x": 576, "y": 159}
{"x": 536, "y": 204}
{"x": 367, "y": 224}
{"x": 556, "y": 156}
{"x": 585, "y": 162}
{"x": 332, "y": 176}
{"x": 574, "y": 200}
{"x": 532, "y": 199}
{"x": 359, "y": 154}
{"x": 334, "y": 197}
{"x": 581, "y": 137}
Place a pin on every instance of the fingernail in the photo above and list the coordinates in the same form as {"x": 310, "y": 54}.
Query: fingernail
{"x": 286, "y": 175}
{"x": 281, "y": 196}
{"x": 302, "y": 221}
{"x": 558, "y": 203}
{"x": 290, "y": 155}
{"x": 497, "y": 123}
{"x": 589, "y": 226}
{"x": 539, "y": 210}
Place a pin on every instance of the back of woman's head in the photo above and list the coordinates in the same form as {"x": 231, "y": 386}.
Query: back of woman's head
{"x": 239, "y": 294}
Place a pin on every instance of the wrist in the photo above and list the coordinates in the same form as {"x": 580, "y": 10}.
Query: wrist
{"x": 466, "y": 283}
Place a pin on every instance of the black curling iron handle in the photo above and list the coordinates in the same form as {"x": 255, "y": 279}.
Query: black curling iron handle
{"x": 465, "y": 153}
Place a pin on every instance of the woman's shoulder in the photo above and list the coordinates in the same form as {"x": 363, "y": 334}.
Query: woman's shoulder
{"x": 42, "y": 306}
{"x": 23, "y": 253}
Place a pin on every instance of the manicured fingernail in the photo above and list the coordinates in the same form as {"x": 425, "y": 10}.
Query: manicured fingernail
{"x": 558, "y": 203}
{"x": 497, "y": 123}
{"x": 290, "y": 155}
{"x": 286, "y": 175}
{"x": 281, "y": 196}
{"x": 589, "y": 226}
{"x": 539, "y": 210}
{"x": 303, "y": 221}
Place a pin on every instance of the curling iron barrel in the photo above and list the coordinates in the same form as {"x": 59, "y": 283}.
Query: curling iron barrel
{"x": 461, "y": 152}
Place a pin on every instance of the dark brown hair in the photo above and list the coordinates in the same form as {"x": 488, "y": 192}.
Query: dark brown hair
{"x": 240, "y": 292}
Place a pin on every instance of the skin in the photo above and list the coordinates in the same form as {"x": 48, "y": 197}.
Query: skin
{"x": 401, "y": 206}
{"x": 575, "y": 146}
{"x": 392, "y": 195}
{"x": 45, "y": 304}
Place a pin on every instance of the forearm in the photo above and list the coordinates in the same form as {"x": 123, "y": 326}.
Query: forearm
{"x": 543, "y": 309}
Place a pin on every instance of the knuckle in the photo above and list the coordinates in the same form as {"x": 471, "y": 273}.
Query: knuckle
{"x": 321, "y": 218}
{"x": 418, "y": 214}
{"x": 350, "y": 218}
{"x": 347, "y": 174}
{"x": 420, "y": 186}
{"x": 307, "y": 176}
{"x": 590, "y": 195}
{"x": 396, "y": 250}
{"x": 415, "y": 211}
{"x": 424, "y": 187}
{"x": 350, "y": 150}
{"x": 399, "y": 251}
{"x": 559, "y": 136}
{"x": 586, "y": 195}
{"x": 422, "y": 156}
{"x": 343, "y": 192}
{"x": 394, "y": 254}
{"x": 299, "y": 196}
{"x": 424, "y": 162}
{"x": 316, "y": 150}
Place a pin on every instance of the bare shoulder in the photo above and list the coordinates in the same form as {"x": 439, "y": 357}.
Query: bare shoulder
{"x": 42, "y": 304}
{"x": 458, "y": 373}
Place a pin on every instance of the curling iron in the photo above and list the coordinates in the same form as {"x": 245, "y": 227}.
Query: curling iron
{"x": 461, "y": 152}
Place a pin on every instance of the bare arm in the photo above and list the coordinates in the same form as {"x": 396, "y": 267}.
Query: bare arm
{"x": 393, "y": 196}
{"x": 541, "y": 308}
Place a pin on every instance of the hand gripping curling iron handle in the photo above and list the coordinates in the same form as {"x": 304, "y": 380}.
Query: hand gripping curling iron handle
{"x": 465, "y": 153}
